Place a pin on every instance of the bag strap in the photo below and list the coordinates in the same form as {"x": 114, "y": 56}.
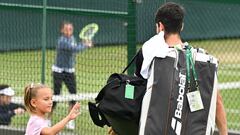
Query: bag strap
{"x": 102, "y": 92}
{"x": 190, "y": 66}
{"x": 97, "y": 117}
{"x": 130, "y": 63}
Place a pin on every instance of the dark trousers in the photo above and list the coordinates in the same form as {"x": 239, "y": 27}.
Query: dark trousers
{"x": 70, "y": 81}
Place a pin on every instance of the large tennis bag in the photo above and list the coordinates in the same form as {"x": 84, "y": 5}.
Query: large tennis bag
{"x": 165, "y": 107}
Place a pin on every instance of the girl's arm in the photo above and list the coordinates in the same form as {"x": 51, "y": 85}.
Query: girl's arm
{"x": 60, "y": 125}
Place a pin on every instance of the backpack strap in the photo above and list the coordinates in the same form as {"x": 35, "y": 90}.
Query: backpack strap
{"x": 130, "y": 63}
{"x": 97, "y": 117}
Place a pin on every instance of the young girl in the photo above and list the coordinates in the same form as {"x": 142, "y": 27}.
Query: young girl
{"x": 38, "y": 102}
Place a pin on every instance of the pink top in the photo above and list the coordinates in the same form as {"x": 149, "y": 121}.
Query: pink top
{"x": 35, "y": 125}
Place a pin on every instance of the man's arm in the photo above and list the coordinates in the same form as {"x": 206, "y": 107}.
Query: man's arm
{"x": 221, "y": 120}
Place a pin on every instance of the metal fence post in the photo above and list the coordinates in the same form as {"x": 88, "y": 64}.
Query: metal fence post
{"x": 131, "y": 33}
{"x": 44, "y": 40}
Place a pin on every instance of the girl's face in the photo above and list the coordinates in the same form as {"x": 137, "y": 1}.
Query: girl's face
{"x": 43, "y": 101}
{"x": 67, "y": 30}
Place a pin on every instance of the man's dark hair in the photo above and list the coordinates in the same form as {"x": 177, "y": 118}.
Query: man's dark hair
{"x": 3, "y": 86}
{"x": 171, "y": 16}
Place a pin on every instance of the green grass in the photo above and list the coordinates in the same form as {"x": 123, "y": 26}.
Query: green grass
{"x": 96, "y": 64}
{"x": 227, "y": 52}
{"x": 92, "y": 68}
{"x": 231, "y": 103}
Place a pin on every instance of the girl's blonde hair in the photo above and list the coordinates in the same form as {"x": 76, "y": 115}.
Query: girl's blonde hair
{"x": 30, "y": 92}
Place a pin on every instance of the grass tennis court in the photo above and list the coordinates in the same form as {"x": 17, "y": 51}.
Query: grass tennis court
{"x": 22, "y": 67}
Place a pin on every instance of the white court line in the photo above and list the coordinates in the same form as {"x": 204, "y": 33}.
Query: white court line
{"x": 12, "y": 128}
{"x": 63, "y": 98}
{"x": 229, "y": 85}
{"x": 235, "y": 111}
{"x": 229, "y": 66}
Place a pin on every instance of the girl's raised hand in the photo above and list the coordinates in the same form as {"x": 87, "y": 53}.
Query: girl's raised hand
{"x": 74, "y": 112}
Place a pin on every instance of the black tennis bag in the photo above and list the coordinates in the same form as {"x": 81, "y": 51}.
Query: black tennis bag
{"x": 165, "y": 106}
{"x": 119, "y": 102}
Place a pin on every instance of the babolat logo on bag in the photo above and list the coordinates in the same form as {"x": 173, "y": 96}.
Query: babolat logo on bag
{"x": 175, "y": 124}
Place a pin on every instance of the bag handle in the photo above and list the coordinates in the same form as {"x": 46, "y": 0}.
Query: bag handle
{"x": 130, "y": 63}
{"x": 102, "y": 91}
{"x": 97, "y": 117}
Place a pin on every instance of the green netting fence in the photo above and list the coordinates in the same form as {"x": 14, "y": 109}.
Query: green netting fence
{"x": 28, "y": 42}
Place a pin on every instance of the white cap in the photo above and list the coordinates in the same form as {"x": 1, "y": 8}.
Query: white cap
{"x": 7, "y": 91}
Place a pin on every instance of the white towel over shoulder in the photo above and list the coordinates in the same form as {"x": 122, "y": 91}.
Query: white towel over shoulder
{"x": 154, "y": 47}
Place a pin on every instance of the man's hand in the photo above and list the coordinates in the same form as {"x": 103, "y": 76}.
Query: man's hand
{"x": 111, "y": 132}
